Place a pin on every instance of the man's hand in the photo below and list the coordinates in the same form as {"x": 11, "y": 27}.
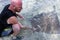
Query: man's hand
{"x": 20, "y": 16}
{"x": 26, "y": 28}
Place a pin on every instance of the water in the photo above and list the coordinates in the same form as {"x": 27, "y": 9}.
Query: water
{"x": 32, "y": 8}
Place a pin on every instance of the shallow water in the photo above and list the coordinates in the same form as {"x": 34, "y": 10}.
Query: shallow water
{"x": 30, "y": 9}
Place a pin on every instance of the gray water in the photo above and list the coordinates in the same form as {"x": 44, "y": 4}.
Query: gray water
{"x": 30, "y": 9}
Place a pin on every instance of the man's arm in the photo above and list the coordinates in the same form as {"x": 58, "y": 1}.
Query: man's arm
{"x": 25, "y": 27}
{"x": 13, "y": 20}
{"x": 20, "y": 15}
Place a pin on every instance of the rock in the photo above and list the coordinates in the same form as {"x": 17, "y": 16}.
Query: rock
{"x": 46, "y": 22}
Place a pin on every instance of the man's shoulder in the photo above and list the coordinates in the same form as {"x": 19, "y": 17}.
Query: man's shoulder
{"x": 5, "y": 9}
{"x": 7, "y": 6}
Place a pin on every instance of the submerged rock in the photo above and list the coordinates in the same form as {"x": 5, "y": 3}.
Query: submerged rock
{"x": 46, "y": 22}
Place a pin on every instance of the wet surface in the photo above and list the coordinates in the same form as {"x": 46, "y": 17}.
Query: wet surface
{"x": 42, "y": 15}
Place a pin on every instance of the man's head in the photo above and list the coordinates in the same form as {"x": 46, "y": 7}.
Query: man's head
{"x": 17, "y": 5}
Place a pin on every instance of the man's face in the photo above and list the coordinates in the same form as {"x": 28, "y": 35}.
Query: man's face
{"x": 18, "y": 7}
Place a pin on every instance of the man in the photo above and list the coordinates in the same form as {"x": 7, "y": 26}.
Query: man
{"x": 8, "y": 17}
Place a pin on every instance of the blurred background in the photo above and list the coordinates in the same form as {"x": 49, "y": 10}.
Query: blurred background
{"x": 41, "y": 15}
